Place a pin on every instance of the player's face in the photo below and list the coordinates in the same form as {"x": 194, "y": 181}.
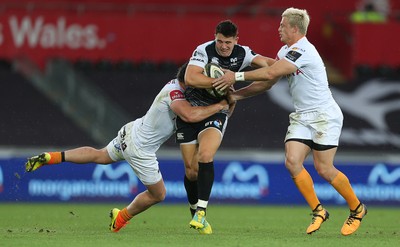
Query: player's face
{"x": 224, "y": 45}
{"x": 285, "y": 31}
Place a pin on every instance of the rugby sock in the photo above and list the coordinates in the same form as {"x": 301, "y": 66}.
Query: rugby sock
{"x": 205, "y": 180}
{"x": 342, "y": 185}
{"x": 191, "y": 192}
{"x": 305, "y": 185}
{"x": 123, "y": 217}
{"x": 56, "y": 157}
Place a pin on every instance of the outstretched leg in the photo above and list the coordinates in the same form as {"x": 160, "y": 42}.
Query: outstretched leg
{"x": 81, "y": 155}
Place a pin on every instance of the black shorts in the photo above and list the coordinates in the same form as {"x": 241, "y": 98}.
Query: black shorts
{"x": 313, "y": 145}
{"x": 188, "y": 132}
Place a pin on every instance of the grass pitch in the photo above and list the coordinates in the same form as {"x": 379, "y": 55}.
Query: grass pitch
{"x": 86, "y": 225}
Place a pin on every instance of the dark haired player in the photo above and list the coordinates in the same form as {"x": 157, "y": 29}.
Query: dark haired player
{"x": 199, "y": 142}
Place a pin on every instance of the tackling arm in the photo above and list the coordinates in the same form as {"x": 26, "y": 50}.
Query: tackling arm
{"x": 251, "y": 90}
{"x": 269, "y": 75}
{"x": 193, "y": 114}
{"x": 261, "y": 61}
{"x": 194, "y": 77}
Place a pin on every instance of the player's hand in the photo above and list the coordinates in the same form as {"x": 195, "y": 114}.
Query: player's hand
{"x": 225, "y": 81}
{"x": 225, "y": 104}
{"x": 231, "y": 100}
{"x": 230, "y": 95}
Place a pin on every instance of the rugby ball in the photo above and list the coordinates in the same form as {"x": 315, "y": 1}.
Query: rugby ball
{"x": 214, "y": 71}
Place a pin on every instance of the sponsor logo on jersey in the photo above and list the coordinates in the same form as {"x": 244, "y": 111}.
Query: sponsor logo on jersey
{"x": 199, "y": 54}
{"x": 217, "y": 123}
{"x": 180, "y": 136}
{"x": 176, "y": 94}
{"x": 293, "y": 55}
{"x": 116, "y": 145}
{"x": 197, "y": 59}
{"x": 289, "y": 76}
{"x": 298, "y": 49}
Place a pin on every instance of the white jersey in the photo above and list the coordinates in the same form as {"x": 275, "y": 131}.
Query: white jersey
{"x": 138, "y": 141}
{"x": 154, "y": 128}
{"x": 308, "y": 86}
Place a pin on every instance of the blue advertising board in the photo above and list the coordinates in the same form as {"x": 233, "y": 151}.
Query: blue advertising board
{"x": 245, "y": 182}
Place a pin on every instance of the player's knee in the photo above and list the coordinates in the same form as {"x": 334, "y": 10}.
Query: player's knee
{"x": 159, "y": 196}
{"x": 291, "y": 163}
{"x": 206, "y": 157}
{"x": 293, "y": 166}
{"x": 326, "y": 172}
{"x": 191, "y": 174}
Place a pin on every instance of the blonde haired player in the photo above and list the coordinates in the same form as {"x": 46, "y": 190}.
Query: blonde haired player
{"x": 316, "y": 124}
{"x": 134, "y": 145}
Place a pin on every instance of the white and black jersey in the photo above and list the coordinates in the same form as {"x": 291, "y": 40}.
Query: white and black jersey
{"x": 241, "y": 57}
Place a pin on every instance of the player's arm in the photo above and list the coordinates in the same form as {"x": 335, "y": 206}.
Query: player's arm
{"x": 261, "y": 61}
{"x": 259, "y": 86}
{"x": 269, "y": 75}
{"x": 232, "y": 106}
{"x": 275, "y": 71}
{"x": 193, "y": 114}
{"x": 194, "y": 77}
{"x": 231, "y": 100}
{"x": 251, "y": 90}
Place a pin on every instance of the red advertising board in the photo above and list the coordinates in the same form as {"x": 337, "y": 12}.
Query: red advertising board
{"x": 40, "y": 36}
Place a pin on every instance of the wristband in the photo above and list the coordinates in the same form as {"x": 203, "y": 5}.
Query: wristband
{"x": 239, "y": 76}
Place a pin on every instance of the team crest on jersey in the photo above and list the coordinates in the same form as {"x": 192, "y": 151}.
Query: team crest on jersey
{"x": 293, "y": 55}
{"x": 176, "y": 94}
{"x": 234, "y": 61}
{"x": 214, "y": 60}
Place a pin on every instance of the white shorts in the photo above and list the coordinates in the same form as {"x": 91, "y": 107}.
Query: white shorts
{"x": 323, "y": 126}
{"x": 145, "y": 165}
